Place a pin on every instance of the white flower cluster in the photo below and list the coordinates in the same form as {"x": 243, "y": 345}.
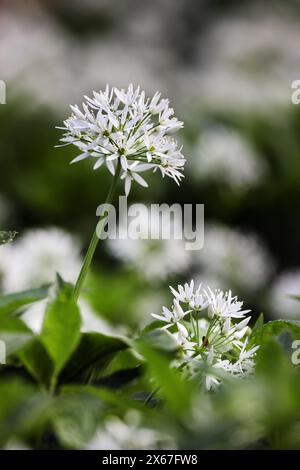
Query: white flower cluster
{"x": 225, "y": 156}
{"x": 35, "y": 257}
{"x": 284, "y": 294}
{"x": 153, "y": 259}
{"x": 32, "y": 72}
{"x": 118, "y": 125}
{"x": 233, "y": 258}
{"x": 210, "y": 329}
{"x": 261, "y": 65}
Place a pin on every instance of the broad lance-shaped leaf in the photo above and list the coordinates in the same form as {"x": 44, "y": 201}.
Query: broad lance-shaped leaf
{"x": 75, "y": 416}
{"x": 168, "y": 383}
{"x": 7, "y": 237}
{"x": 256, "y": 332}
{"x": 37, "y": 361}
{"x": 119, "y": 378}
{"x": 274, "y": 328}
{"x": 11, "y": 303}
{"x": 61, "y": 328}
{"x": 94, "y": 350}
{"x": 22, "y": 407}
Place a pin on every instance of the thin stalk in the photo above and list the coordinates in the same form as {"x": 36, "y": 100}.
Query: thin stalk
{"x": 95, "y": 239}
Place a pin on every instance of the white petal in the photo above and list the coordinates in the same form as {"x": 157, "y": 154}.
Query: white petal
{"x": 140, "y": 180}
{"x": 144, "y": 167}
{"x": 124, "y": 163}
{"x": 158, "y": 317}
{"x": 80, "y": 157}
{"x": 210, "y": 356}
{"x": 182, "y": 329}
{"x": 241, "y": 333}
{"x": 127, "y": 185}
{"x": 98, "y": 163}
{"x": 242, "y": 324}
{"x": 113, "y": 156}
{"x": 174, "y": 292}
{"x": 178, "y": 310}
{"x": 110, "y": 166}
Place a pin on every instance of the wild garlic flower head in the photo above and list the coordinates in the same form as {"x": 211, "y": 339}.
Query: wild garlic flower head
{"x": 226, "y": 157}
{"x": 234, "y": 258}
{"x": 284, "y": 295}
{"x": 123, "y": 125}
{"x": 36, "y": 256}
{"x": 210, "y": 330}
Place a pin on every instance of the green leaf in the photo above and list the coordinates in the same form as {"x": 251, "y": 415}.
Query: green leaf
{"x": 154, "y": 325}
{"x": 75, "y": 417}
{"x": 36, "y": 360}
{"x": 7, "y": 236}
{"x": 111, "y": 398}
{"x": 94, "y": 349}
{"x": 61, "y": 327}
{"x": 276, "y": 327}
{"x": 259, "y": 322}
{"x": 159, "y": 340}
{"x": 256, "y": 332}
{"x": 119, "y": 379}
{"x": 271, "y": 361}
{"x": 171, "y": 385}
{"x": 22, "y": 409}
{"x": 12, "y": 302}
{"x": 14, "y": 333}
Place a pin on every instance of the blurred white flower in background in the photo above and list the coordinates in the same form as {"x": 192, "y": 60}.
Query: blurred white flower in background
{"x": 242, "y": 61}
{"x": 33, "y": 317}
{"x": 33, "y": 260}
{"x": 211, "y": 280}
{"x": 234, "y": 258}
{"x": 249, "y": 63}
{"x": 120, "y": 61}
{"x": 24, "y": 38}
{"x": 55, "y": 79}
{"x": 223, "y": 155}
{"x": 35, "y": 257}
{"x": 153, "y": 259}
{"x": 146, "y": 302}
{"x": 282, "y": 305}
{"x": 129, "y": 434}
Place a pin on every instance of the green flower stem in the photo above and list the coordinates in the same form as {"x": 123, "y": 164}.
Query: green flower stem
{"x": 95, "y": 239}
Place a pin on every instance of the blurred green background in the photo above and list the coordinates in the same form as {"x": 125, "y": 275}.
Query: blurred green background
{"x": 228, "y": 71}
{"x": 227, "y": 68}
